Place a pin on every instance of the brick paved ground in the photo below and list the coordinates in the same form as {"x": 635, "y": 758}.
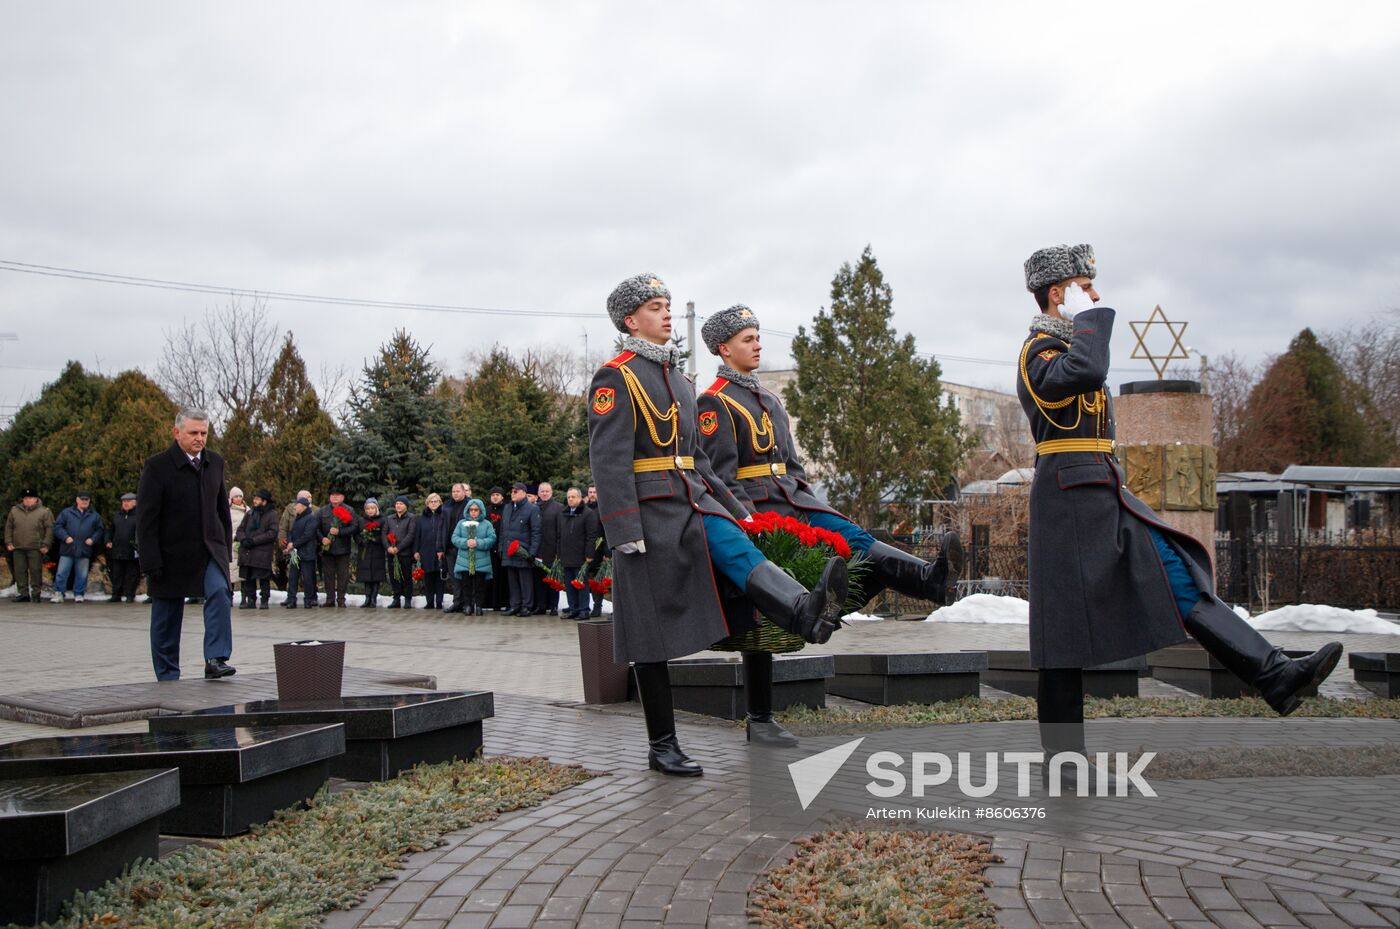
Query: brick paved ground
{"x": 635, "y": 849}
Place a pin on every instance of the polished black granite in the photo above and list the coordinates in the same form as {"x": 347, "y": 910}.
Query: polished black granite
{"x": 1378, "y": 672}
{"x": 64, "y": 834}
{"x": 889, "y": 680}
{"x": 1010, "y": 670}
{"x": 384, "y": 716}
{"x": 715, "y": 687}
{"x": 385, "y": 734}
{"x": 211, "y": 756}
{"x": 230, "y": 779}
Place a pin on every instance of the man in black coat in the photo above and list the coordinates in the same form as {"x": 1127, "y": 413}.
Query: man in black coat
{"x": 498, "y": 594}
{"x": 579, "y": 531}
{"x": 122, "y": 566}
{"x": 185, "y": 531}
{"x": 551, "y": 511}
{"x": 518, "y": 540}
{"x": 336, "y": 538}
{"x": 454, "y": 508}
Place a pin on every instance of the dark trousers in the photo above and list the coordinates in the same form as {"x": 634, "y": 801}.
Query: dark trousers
{"x": 433, "y": 585}
{"x": 545, "y": 599}
{"x": 306, "y": 576}
{"x": 125, "y": 574}
{"x": 1059, "y": 709}
{"x": 335, "y": 571}
{"x": 294, "y": 584}
{"x": 167, "y": 616}
{"x": 403, "y": 579}
{"x": 471, "y": 590}
{"x": 577, "y": 599}
{"x": 29, "y": 572}
{"x": 522, "y": 587}
{"x": 253, "y": 580}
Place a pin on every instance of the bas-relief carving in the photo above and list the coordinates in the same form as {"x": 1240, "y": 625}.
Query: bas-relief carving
{"x": 1171, "y": 477}
{"x": 1144, "y": 466}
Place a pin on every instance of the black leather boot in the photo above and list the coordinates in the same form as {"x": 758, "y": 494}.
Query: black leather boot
{"x": 903, "y": 573}
{"x": 1059, "y": 712}
{"x": 1251, "y": 658}
{"x": 813, "y": 615}
{"x": 758, "y": 692}
{"x": 664, "y": 753}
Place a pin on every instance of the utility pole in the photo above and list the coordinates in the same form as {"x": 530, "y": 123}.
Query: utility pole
{"x": 690, "y": 335}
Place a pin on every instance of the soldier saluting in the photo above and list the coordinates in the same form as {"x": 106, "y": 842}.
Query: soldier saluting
{"x": 672, "y": 524}
{"x": 1108, "y": 579}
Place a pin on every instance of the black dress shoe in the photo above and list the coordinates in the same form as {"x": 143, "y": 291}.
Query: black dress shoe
{"x": 22, "y": 598}
{"x": 218, "y": 668}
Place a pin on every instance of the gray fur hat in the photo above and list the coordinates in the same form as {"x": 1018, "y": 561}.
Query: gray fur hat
{"x": 1059, "y": 263}
{"x": 723, "y": 326}
{"x": 632, "y": 293}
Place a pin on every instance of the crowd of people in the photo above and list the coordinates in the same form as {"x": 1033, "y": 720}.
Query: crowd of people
{"x": 516, "y": 552}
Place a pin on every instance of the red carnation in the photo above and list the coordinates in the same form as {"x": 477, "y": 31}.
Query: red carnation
{"x": 372, "y": 525}
{"x": 576, "y": 584}
{"x": 419, "y": 574}
{"x": 393, "y": 539}
{"x": 343, "y": 514}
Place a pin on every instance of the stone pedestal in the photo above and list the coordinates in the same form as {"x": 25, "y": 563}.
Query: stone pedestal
{"x": 1167, "y": 446}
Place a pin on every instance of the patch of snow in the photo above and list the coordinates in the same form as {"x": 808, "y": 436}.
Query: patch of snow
{"x": 860, "y": 618}
{"x": 984, "y": 609}
{"x": 1309, "y": 617}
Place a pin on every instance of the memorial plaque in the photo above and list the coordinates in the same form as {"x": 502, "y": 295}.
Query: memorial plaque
{"x": 715, "y": 687}
{"x": 1181, "y": 478}
{"x": 385, "y": 734}
{"x": 229, "y": 778}
{"x": 63, "y": 834}
{"x": 1143, "y": 464}
{"x": 1011, "y": 671}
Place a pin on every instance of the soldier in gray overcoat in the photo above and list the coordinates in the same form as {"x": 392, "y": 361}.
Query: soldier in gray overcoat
{"x": 747, "y": 435}
{"x": 1108, "y": 578}
{"x": 672, "y": 524}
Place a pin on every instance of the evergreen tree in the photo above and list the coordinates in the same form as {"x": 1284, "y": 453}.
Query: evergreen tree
{"x": 1305, "y": 410}
{"x": 400, "y": 426}
{"x": 85, "y": 432}
{"x": 293, "y": 426}
{"x": 870, "y": 413}
{"x": 510, "y": 427}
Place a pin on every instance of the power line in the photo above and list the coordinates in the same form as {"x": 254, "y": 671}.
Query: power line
{"x": 102, "y": 277}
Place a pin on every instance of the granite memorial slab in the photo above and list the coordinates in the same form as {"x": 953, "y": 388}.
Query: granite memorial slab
{"x": 715, "y": 687}
{"x": 889, "y": 680}
{"x": 384, "y": 734}
{"x": 230, "y": 778}
{"x": 68, "y": 833}
{"x": 1378, "y": 672}
{"x": 1011, "y": 671}
{"x": 1192, "y": 668}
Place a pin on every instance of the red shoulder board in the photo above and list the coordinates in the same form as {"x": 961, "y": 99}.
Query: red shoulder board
{"x": 620, "y": 360}
{"x": 719, "y": 384}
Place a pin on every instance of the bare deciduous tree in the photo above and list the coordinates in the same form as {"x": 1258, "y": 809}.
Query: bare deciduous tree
{"x": 1370, "y": 356}
{"x": 222, "y": 363}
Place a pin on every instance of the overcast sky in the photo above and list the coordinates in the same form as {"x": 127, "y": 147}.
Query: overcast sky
{"x": 1234, "y": 162}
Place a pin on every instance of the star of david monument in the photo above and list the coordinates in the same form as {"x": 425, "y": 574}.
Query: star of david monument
{"x": 1165, "y": 433}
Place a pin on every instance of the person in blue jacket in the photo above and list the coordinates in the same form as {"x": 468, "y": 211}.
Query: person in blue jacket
{"x": 79, "y": 533}
{"x": 473, "y": 537}
{"x": 306, "y": 542}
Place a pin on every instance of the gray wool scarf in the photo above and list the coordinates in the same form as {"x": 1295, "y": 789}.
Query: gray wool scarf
{"x": 666, "y": 354}
{"x": 743, "y": 380}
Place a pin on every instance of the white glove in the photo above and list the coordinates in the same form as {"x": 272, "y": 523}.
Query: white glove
{"x": 1076, "y": 302}
{"x": 638, "y": 547}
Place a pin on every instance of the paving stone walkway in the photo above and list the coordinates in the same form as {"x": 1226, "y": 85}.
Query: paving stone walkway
{"x": 632, "y": 848}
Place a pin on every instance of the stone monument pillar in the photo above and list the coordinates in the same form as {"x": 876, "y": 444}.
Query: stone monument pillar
{"x": 1167, "y": 445}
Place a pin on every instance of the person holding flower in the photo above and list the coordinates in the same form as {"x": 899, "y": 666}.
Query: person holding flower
{"x": 369, "y": 565}
{"x": 338, "y": 528}
{"x": 306, "y": 546}
{"x": 400, "y": 535}
{"x": 578, "y": 547}
{"x": 430, "y": 540}
{"x": 474, "y": 538}
{"x": 519, "y": 541}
